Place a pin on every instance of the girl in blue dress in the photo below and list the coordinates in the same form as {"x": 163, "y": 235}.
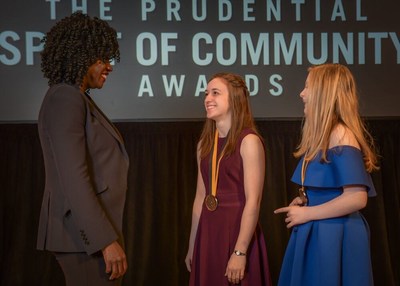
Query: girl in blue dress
{"x": 329, "y": 243}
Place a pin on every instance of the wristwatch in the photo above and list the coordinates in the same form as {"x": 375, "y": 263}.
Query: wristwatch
{"x": 239, "y": 253}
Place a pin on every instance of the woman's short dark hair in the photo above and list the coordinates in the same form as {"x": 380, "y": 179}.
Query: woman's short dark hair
{"x": 75, "y": 43}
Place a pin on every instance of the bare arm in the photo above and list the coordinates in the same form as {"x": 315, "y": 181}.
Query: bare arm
{"x": 352, "y": 199}
{"x": 253, "y": 157}
{"x": 197, "y": 207}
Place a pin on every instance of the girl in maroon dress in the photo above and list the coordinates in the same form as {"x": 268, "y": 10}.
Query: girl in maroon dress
{"x": 226, "y": 243}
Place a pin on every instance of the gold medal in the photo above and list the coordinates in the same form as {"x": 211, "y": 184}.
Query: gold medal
{"x": 211, "y": 202}
{"x": 303, "y": 196}
{"x": 302, "y": 190}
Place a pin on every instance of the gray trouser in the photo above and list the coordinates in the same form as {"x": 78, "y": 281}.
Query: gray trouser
{"x": 81, "y": 269}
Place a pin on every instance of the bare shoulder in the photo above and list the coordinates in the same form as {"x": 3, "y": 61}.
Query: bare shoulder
{"x": 251, "y": 140}
{"x": 251, "y": 143}
{"x": 341, "y": 135}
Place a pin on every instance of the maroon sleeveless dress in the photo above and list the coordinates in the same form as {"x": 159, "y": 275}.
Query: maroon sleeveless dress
{"x": 218, "y": 230}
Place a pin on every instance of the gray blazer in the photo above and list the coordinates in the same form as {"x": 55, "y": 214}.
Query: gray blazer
{"x": 86, "y": 167}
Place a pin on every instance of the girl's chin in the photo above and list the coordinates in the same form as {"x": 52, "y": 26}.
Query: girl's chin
{"x": 209, "y": 115}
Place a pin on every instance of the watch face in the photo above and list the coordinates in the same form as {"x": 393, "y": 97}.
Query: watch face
{"x": 238, "y": 253}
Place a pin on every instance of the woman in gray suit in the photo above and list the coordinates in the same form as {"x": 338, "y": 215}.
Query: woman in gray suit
{"x": 86, "y": 163}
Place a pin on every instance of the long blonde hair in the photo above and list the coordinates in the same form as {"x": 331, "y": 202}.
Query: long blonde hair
{"x": 333, "y": 100}
{"x": 241, "y": 115}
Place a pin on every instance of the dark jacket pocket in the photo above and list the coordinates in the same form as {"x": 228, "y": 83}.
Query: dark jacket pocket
{"x": 99, "y": 185}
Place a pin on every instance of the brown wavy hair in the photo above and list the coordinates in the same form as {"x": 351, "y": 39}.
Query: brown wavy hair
{"x": 333, "y": 100}
{"x": 241, "y": 115}
{"x": 75, "y": 43}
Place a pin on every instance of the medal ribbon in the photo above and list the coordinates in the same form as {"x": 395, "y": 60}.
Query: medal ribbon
{"x": 215, "y": 166}
{"x": 302, "y": 192}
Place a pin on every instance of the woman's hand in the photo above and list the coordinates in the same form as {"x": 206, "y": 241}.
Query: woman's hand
{"x": 115, "y": 259}
{"x": 295, "y": 214}
{"x": 235, "y": 269}
{"x": 188, "y": 260}
{"x": 297, "y": 201}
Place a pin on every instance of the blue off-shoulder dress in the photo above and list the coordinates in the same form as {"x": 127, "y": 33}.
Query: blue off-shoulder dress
{"x": 335, "y": 251}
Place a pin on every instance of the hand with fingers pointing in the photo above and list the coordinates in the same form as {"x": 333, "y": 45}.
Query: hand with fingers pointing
{"x": 295, "y": 214}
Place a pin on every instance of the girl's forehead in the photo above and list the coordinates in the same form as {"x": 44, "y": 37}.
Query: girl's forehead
{"x": 217, "y": 82}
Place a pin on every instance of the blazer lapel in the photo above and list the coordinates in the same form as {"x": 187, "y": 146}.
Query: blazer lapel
{"x": 96, "y": 111}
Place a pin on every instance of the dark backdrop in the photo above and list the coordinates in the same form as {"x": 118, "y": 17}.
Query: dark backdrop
{"x": 162, "y": 182}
